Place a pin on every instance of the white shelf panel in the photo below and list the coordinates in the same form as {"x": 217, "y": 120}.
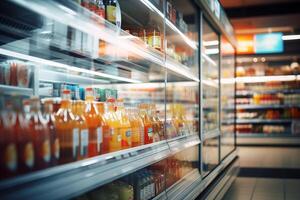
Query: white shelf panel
{"x": 14, "y": 90}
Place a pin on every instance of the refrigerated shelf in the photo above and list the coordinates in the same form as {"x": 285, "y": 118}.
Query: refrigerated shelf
{"x": 71, "y": 180}
{"x": 15, "y": 90}
{"x": 263, "y": 121}
{"x": 251, "y": 106}
{"x": 271, "y": 91}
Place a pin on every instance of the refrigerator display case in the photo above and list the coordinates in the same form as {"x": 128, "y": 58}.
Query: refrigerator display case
{"x": 98, "y": 94}
{"x": 267, "y": 104}
{"x": 227, "y": 98}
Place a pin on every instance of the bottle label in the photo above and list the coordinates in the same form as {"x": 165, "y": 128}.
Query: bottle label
{"x": 75, "y": 141}
{"x": 111, "y": 13}
{"x": 10, "y": 157}
{"x": 99, "y": 138}
{"x": 150, "y": 132}
{"x": 46, "y": 152}
{"x": 29, "y": 155}
{"x": 84, "y": 138}
{"x": 56, "y": 147}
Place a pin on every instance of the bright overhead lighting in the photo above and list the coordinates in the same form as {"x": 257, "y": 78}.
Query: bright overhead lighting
{"x": 63, "y": 66}
{"x": 260, "y": 79}
{"x": 211, "y": 51}
{"x": 210, "y": 43}
{"x": 291, "y": 37}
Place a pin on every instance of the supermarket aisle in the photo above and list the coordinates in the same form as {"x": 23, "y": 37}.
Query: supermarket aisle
{"x": 245, "y": 188}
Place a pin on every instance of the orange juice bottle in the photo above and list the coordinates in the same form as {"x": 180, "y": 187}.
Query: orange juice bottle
{"x": 93, "y": 120}
{"x": 68, "y": 134}
{"x": 25, "y": 146}
{"x": 160, "y": 125}
{"x": 137, "y": 127}
{"x": 155, "y": 124}
{"x": 115, "y": 143}
{"x": 105, "y": 127}
{"x": 148, "y": 128}
{"x": 54, "y": 140}
{"x": 83, "y": 129}
{"x": 40, "y": 135}
{"x": 125, "y": 126}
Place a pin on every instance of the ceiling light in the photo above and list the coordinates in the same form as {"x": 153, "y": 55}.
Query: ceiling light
{"x": 291, "y": 37}
{"x": 255, "y": 60}
{"x": 210, "y": 43}
{"x": 211, "y": 51}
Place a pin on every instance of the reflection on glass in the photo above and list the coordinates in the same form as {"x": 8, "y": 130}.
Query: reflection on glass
{"x": 150, "y": 181}
{"x": 210, "y": 78}
{"x": 143, "y": 184}
{"x": 227, "y": 97}
{"x": 182, "y": 34}
{"x": 182, "y": 109}
{"x": 210, "y": 154}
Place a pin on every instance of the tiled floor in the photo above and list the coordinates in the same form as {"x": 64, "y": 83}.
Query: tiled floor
{"x": 264, "y": 189}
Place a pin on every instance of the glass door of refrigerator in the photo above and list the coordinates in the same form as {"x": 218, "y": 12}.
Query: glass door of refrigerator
{"x": 227, "y": 97}
{"x": 182, "y": 92}
{"x": 77, "y": 53}
{"x": 210, "y": 79}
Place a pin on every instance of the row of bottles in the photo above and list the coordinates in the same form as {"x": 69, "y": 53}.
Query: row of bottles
{"x": 35, "y": 137}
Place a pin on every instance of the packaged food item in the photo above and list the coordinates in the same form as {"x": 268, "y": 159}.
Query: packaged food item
{"x": 111, "y": 9}
{"x": 23, "y": 74}
{"x": 137, "y": 127}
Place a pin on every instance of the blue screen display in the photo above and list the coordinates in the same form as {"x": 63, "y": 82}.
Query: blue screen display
{"x": 268, "y": 43}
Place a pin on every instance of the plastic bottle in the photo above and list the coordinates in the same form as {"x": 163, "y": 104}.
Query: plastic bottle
{"x": 137, "y": 127}
{"x": 115, "y": 139}
{"x": 125, "y": 126}
{"x": 94, "y": 124}
{"x": 81, "y": 124}
{"x": 8, "y": 143}
{"x": 148, "y": 129}
{"x": 40, "y": 135}
{"x": 67, "y": 132}
{"x": 54, "y": 140}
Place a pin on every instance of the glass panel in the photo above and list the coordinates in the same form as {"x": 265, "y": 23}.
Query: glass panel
{"x": 181, "y": 164}
{"x": 143, "y": 184}
{"x": 182, "y": 34}
{"x": 227, "y": 97}
{"x": 94, "y": 95}
{"x": 182, "y": 94}
{"x": 210, "y": 78}
{"x": 210, "y": 154}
